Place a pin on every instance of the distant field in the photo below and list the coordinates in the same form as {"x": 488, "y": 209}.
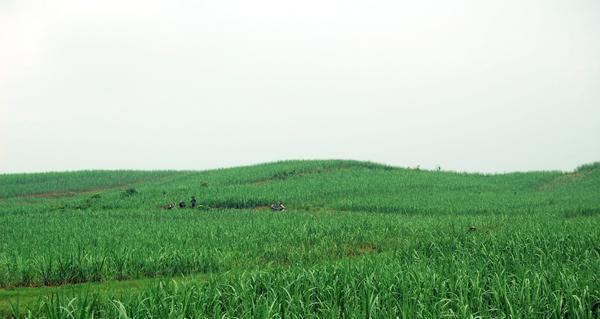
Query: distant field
{"x": 358, "y": 240}
{"x": 60, "y": 184}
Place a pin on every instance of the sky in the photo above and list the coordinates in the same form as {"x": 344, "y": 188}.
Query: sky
{"x": 467, "y": 85}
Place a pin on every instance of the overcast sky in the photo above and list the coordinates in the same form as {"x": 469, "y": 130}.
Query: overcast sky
{"x": 471, "y": 85}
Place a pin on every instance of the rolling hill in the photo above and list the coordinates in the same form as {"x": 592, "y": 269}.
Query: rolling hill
{"x": 359, "y": 239}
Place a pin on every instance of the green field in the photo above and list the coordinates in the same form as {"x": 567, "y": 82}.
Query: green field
{"x": 358, "y": 240}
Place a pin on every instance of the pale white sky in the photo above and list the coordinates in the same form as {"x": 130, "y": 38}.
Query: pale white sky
{"x": 475, "y": 85}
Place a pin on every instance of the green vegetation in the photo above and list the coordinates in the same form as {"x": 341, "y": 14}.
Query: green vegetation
{"x": 359, "y": 240}
{"x": 63, "y": 184}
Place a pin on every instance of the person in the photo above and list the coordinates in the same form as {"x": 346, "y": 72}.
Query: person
{"x": 182, "y": 204}
{"x": 193, "y": 202}
{"x": 278, "y": 208}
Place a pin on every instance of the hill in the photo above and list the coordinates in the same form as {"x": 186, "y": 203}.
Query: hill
{"x": 495, "y": 245}
{"x": 339, "y": 185}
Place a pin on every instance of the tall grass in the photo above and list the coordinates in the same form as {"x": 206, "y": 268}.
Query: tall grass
{"x": 359, "y": 240}
{"x": 55, "y": 184}
{"x": 376, "y": 286}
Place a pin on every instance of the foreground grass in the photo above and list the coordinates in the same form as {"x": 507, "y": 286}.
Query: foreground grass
{"x": 12, "y": 300}
{"x": 359, "y": 265}
{"x": 375, "y": 285}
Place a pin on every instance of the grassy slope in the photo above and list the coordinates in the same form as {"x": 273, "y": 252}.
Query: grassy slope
{"x": 345, "y": 185}
{"x": 332, "y": 205}
{"x": 71, "y": 183}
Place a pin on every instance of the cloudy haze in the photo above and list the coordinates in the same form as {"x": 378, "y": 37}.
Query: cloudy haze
{"x": 466, "y": 84}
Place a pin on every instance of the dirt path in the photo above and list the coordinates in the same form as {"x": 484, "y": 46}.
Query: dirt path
{"x": 94, "y": 190}
{"x": 30, "y": 296}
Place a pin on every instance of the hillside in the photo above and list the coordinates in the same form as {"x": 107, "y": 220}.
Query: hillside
{"x": 414, "y": 231}
{"x": 339, "y": 185}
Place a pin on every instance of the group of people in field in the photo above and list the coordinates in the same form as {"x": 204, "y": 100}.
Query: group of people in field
{"x": 279, "y": 207}
{"x": 182, "y": 204}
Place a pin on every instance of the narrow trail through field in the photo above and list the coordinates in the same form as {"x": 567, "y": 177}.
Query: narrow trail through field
{"x": 562, "y": 180}
{"x": 31, "y": 295}
{"x": 96, "y": 189}
{"x": 281, "y": 176}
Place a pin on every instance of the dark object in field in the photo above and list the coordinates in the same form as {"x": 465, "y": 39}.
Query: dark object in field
{"x": 582, "y": 212}
{"x": 596, "y": 308}
{"x": 168, "y": 206}
{"x": 130, "y": 192}
{"x": 193, "y": 202}
{"x": 278, "y": 208}
{"x": 181, "y": 204}
{"x": 472, "y": 228}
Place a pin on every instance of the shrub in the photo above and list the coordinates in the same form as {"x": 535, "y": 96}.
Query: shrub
{"x": 130, "y": 192}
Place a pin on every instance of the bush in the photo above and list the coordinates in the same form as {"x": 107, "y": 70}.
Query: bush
{"x": 130, "y": 192}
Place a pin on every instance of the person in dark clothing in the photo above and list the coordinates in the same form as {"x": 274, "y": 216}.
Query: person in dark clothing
{"x": 193, "y": 202}
{"x": 278, "y": 208}
{"x": 181, "y": 204}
